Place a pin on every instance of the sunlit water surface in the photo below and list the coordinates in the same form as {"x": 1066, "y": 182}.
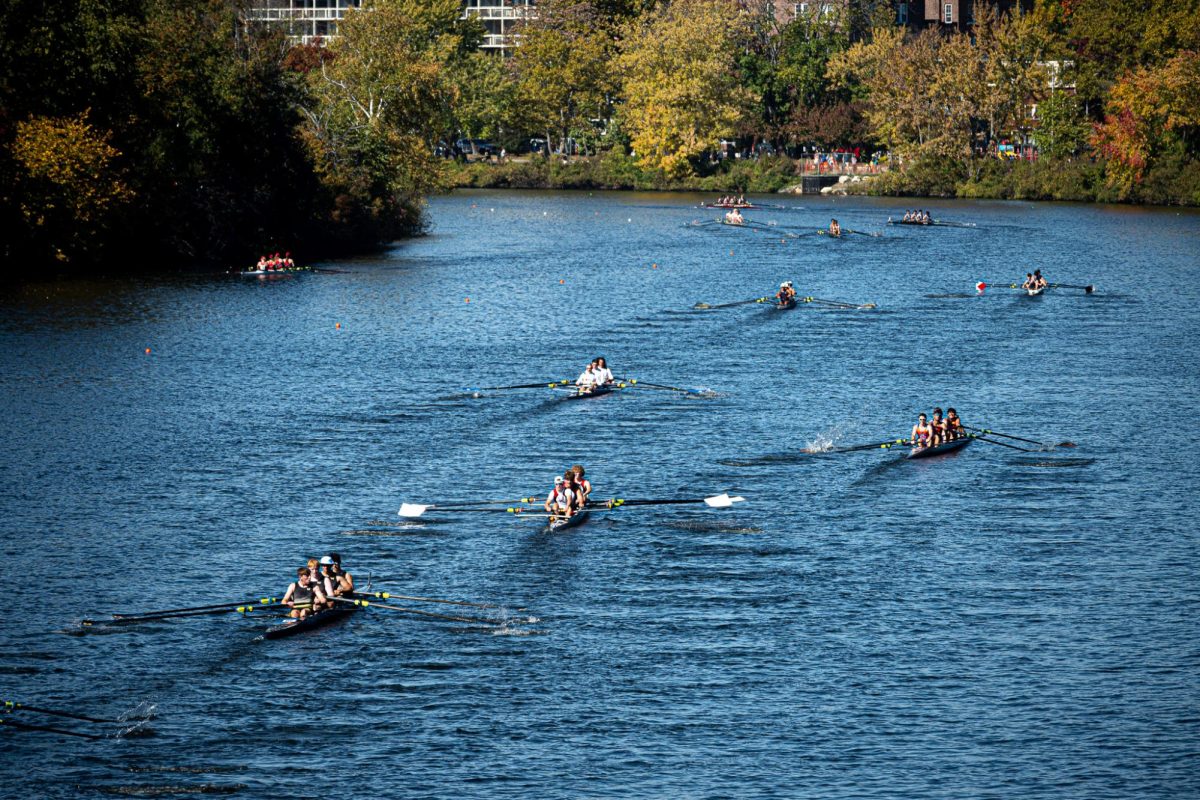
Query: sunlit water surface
{"x": 994, "y": 623}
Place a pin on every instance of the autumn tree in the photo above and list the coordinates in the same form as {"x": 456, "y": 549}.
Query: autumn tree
{"x": 377, "y": 107}
{"x": 563, "y": 69}
{"x": 682, "y": 93}
{"x": 69, "y": 183}
{"x": 1149, "y": 109}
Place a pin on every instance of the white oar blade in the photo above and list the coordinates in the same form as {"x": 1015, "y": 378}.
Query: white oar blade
{"x": 722, "y": 501}
{"x": 412, "y": 510}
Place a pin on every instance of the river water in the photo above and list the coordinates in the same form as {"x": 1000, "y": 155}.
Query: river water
{"x": 994, "y": 623}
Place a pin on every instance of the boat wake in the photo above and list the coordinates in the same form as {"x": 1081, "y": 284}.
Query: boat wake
{"x": 1058, "y": 462}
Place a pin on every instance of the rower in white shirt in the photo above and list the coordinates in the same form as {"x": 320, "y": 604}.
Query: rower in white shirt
{"x": 587, "y": 380}
{"x": 602, "y": 373}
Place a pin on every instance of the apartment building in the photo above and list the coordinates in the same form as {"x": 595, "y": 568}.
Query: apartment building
{"x": 309, "y": 21}
{"x": 951, "y": 14}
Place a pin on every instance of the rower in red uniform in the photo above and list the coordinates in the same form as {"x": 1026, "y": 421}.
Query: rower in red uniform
{"x": 939, "y": 427}
{"x": 922, "y": 432}
{"x": 954, "y": 426}
{"x": 561, "y": 500}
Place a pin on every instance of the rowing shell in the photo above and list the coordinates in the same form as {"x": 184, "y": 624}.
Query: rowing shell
{"x": 937, "y": 450}
{"x": 909, "y": 222}
{"x": 786, "y": 305}
{"x": 1034, "y": 292}
{"x": 559, "y": 524}
{"x": 577, "y": 394}
{"x": 273, "y": 271}
{"x": 729, "y": 205}
{"x": 312, "y": 621}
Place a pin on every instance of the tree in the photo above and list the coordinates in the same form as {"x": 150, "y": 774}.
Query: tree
{"x": 1149, "y": 109}
{"x": 1061, "y": 132}
{"x": 69, "y": 183}
{"x": 563, "y": 69}
{"x": 483, "y": 92}
{"x": 378, "y": 106}
{"x": 682, "y": 91}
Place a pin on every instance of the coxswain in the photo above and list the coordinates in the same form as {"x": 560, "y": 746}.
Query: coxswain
{"x": 262, "y": 263}
{"x": 603, "y": 374}
{"x": 561, "y": 500}
{"x": 922, "y": 432}
{"x": 954, "y": 426}
{"x": 939, "y": 427}
{"x": 834, "y": 228}
{"x": 304, "y": 596}
{"x": 582, "y": 487}
{"x": 786, "y": 293}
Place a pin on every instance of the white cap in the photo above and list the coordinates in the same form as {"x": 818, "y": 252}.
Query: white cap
{"x": 558, "y": 479}
{"x": 326, "y": 561}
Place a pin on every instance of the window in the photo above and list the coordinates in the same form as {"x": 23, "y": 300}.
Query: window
{"x": 949, "y": 13}
{"x": 903, "y": 14}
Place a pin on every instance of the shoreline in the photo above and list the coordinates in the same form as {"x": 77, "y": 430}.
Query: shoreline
{"x": 984, "y": 179}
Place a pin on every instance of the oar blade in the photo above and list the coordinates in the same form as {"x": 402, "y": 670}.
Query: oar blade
{"x": 722, "y": 501}
{"x": 412, "y": 510}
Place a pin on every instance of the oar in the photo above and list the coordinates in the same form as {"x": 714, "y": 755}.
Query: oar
{"x": 214, "y": 607}
{"x": 387, "y": 595}
{"x": 541, "y": 385}
{"x": 27, "y": 727}
{"x": 985, "y": 284}
{"x": 636, "y": 382}
{"x": 718, "y": 501}
{"x": 979, "y": 438}
{"x": 1086, "y": 289}
{"x": 133, "y": 620}
{"x": 473, "y": 503}
{"x": 708, "y": 307}
{"x": 837, "y": 303}
{"x": 1018, "y": 438}
{"x": 418, "y": 612}
{"x": 890, "y": 443}
{"x": 15, "y": 706}
{"x": 414, "y": 510}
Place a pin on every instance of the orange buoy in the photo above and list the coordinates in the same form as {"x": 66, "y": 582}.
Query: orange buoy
{"x": 337, "y": 326}
{"x": 147, "y": 351}
{"x": 466, "y": 299}
{"x": 560, "y": 280}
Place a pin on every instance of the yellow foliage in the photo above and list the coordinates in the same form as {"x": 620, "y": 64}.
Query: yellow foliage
{"x": 67, "y": 174}
{"x": 683, "y": 93}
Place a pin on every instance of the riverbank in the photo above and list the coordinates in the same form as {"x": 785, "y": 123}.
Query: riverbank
{"x": 1170, "y": 183}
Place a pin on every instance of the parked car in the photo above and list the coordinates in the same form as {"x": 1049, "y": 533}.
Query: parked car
{"x": 537, "y": 145}
{"x": 476, "y": 146}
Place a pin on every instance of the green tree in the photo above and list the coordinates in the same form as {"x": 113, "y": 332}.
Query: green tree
{"x": 1061, "y": 132}
{"x": 563, "y": 69}
{"x": 379, "y": 105}
{"x": 682, "y": 93}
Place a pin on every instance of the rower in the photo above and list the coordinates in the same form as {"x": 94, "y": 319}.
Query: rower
{"x": 786, "y": 293}
{"x": 584, "y": 487}
{"x": 560, "y": 501}
{"x": 954, "y": 426}
{"x": 939, "y": 427}
{"x": 334, "y": 581}
{"x": 908, "y": 216}
{"x": 587, "y": 379}
{"x": 921, "y": 432}
{"x": 834, "y": 228}
{"x": 1029, "y": 282}
{"x": 1039, "y": 281}
{"x": 734, "y": 217}
{"x": 603, "y": 374}
{"x": 304, "y": 596}
{"x": 314, "y": 570}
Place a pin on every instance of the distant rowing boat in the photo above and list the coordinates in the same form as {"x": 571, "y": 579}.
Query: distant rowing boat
{"x": 729, "y": 205}
{"x": 937, "y": 450}
{"x": 318, "y": 620}
{"x": 274, "y": 271}
{"x": 558, "y": 524}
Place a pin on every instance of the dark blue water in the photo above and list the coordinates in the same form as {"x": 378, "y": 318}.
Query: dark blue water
{"x": 995, "y": 623}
